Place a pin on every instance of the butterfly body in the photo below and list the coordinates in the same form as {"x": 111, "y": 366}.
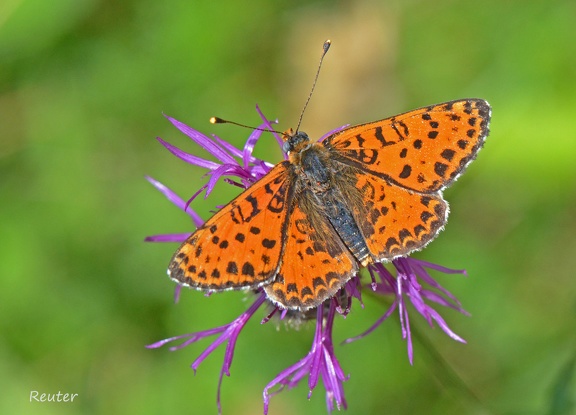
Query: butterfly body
{"x": 326, "y": 189}
{"x": 366, "y": 194}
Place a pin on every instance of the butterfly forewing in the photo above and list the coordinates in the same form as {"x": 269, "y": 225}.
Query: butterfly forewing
{"x": 241, "y": 245}
{"x": 423, "y": 150}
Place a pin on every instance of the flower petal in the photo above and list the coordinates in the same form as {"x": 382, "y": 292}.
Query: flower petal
{"x": 204, "y": 141}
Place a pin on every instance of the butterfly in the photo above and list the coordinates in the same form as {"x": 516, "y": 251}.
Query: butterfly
{"x": 366, "y": 194}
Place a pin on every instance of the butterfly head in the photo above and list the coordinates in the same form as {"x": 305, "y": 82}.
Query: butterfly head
{"x": 294, "y": 142}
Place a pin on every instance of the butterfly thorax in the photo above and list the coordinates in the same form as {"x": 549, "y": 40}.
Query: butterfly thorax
{"x": 313, "y": 166}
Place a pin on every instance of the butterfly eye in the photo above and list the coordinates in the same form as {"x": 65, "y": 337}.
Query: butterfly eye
{"x": 295, "y": 141}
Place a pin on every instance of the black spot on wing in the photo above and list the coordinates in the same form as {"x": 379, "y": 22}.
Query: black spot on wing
{"x": 440, "y": 168}
{"x": 406, "y": 171}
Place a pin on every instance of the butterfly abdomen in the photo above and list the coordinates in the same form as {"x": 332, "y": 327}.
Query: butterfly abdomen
{"x": 342, "y": 219}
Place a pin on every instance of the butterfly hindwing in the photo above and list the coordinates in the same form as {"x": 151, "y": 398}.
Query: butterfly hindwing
{"x": 315, "y": 263}
{"x": 423, "y": 150}
{"x": 241, "y": 245}
{"x": 395, "y": 221}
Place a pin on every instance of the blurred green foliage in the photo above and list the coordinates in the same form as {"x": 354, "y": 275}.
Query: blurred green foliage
{"x": 83, "y": 86}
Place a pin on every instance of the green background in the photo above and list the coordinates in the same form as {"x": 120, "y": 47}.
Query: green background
{"x": 83, "y": 86}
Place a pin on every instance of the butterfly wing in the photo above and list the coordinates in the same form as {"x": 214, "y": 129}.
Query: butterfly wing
{"x": 395, "y": 221}
{"x": 241, "y": 245}
{"x": 316, "y": 263}
{"x": 401, "y": 166}
{"x": 423, "y": 150}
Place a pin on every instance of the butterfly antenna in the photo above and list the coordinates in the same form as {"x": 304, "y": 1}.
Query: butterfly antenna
{"x": 325, "y": 48}
{"x": 218, "y": 120}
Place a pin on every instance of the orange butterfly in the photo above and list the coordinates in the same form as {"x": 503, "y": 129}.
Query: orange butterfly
{"x": 368, "y": 193}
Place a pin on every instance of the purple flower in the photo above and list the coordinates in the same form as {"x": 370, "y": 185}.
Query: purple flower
{"x": 228, "y": 333}
{"x": 319, "y": 362}
{"x": 410, "y": 284}
{"x": 411, "y": 275}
